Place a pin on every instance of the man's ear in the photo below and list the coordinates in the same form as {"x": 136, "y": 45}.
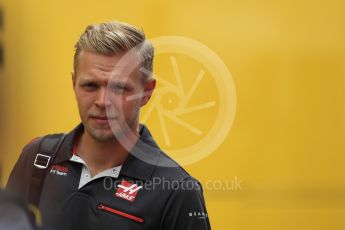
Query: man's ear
{"x": 73, "y": 79}
{"x": 148, "y": 90}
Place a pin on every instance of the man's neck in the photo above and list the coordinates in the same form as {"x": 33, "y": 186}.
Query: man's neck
{"x": 100, "y": 156}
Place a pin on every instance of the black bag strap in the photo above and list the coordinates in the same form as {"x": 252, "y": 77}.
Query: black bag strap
{"x": 48, "y": 147}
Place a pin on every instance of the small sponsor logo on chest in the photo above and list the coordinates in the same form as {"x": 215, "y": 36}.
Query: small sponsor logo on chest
{"x": 59, "y": 170}
{"x": 127, "y": 190}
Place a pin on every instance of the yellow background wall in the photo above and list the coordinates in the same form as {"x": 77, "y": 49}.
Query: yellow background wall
{"x": 287, "y": 59}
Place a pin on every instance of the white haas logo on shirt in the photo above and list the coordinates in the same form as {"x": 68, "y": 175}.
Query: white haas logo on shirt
{"x": 127, "y": 190}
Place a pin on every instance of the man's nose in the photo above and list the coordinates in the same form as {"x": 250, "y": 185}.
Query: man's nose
{"x": 102, "y": 99}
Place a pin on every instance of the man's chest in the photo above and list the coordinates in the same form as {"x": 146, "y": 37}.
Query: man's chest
{"x": 106, "y": 202}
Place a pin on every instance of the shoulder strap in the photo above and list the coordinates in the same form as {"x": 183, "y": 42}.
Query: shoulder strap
{"x": 48, "y": 147}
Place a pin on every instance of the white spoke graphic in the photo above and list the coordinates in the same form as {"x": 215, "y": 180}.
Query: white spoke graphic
{"x": 177, "y": 75}
{"x": 181, "y": 109}
{"x": 190, "y": 93}
{"x": 201, "y": 107}
{"x": 158, "y": 78}
{"x": 195, "y": 108}
{"x": 166, "y": 83}
{"x": 163, "y": 126}
{"x": 182, "y": 123}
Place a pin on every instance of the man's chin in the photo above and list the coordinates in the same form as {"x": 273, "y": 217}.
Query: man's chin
{"x": 101, "y": 133}
{"x": 103, "y": 137}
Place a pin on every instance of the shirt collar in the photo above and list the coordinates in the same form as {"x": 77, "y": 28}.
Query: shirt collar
{"x": 111, "y": 172}
{"x": 139, "y": 164}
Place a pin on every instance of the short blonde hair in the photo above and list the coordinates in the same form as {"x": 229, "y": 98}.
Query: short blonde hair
{"x": 114, "y": 38}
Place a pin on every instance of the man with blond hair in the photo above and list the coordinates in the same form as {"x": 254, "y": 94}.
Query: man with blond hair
{"x": 108, "y": 173}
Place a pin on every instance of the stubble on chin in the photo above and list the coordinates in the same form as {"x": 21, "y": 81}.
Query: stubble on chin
{"x": 101, "y": 134}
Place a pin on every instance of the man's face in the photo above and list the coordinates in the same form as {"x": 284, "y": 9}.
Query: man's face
{"x": 110, "y": 94}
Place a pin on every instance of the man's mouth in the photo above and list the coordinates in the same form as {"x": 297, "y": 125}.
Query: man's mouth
{"x": 103, "y": 117}
{"x": 102, "y": 120}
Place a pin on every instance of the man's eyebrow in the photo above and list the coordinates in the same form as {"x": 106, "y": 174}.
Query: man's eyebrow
{"x": 85, "y": 77}
{"x": 119, "y": 83}
{"x": 88, "y": 81}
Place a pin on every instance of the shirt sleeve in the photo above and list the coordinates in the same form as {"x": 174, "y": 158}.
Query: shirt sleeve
{"x": 185, "y": 209}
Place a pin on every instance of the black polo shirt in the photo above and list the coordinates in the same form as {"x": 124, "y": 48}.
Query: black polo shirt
{"x": 143, "y": 195}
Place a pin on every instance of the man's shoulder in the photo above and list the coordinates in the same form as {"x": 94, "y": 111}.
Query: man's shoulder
{"x": 32, "y": 147}
{"x": 169, "y": 169}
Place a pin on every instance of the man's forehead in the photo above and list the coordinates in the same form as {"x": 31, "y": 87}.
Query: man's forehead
{"x": 118, "y": 67}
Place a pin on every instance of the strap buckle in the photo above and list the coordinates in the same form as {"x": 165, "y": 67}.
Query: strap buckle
{"x": 42, "y": 161}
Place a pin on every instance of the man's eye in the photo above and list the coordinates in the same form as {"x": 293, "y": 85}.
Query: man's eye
{"x": 119, "y": 89}
{"x": 89, "y": 86}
